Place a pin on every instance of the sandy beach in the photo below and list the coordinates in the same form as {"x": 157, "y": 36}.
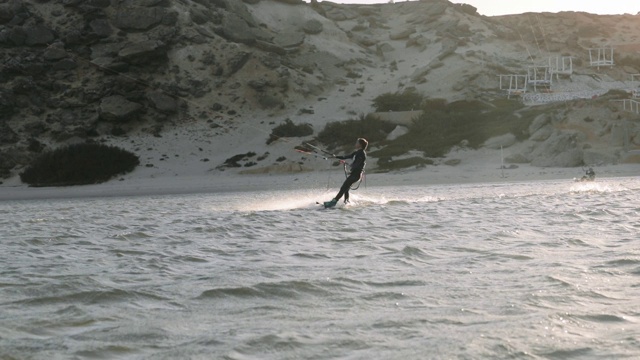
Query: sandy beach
{"x": 474, "y": 168}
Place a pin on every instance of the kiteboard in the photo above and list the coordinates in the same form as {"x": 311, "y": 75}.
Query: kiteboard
{"x": 327, "y": 204}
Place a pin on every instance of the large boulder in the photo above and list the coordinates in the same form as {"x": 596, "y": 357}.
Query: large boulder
{"x": 24, "y": 86}
{"x": 560, "y": 150}
{"x": 64, "y": 117}
{"x": 449, "y": 47}
{"x": 384, "y": 48}
{"x": 516, "y": 159}
{"x": 402, "y": 34}
{"x": 15, "y": 36}
{"x": 101, "y": 27}
{"x": 162, "y": 102}
{"x": 65, "y": 65}
{"x": 38, "y": 35}
{"x": 234, "y": 28}
{"x": 312, "y": 27}
{"x": 34, "y": 127}
{"x": 55, "y": 53}
{"x": 206, "y": 32}
{"x": 593, "y": 157}
{"x": 397, "y": 132}
{"x": 337, "y": 12}
{"x": 105, "y": 50}
{"x": 238, "y": 8}
{"x": 200, "y": 16}
{"x": 9, "y": 9}
{"x": 502, "y": 141}
{"x": 289, "y": 39}
{"x": 542, "y": 133}
{"x": 143, "y": 52}
{"x": 467, "y": 9}
{"x": 365, "y": 40}
{"x": 537, "y": 123}
{"x": 110, "y": 64}
{"x": 117, "y": 108}
{"x": 436, "y": 9}
{"x": 429, "y": 12}
{"x": 137, "y": 18}
{"x": 270, "y": 47}
{"x": 237, "y": 61}
{"x": 570, "y": 158}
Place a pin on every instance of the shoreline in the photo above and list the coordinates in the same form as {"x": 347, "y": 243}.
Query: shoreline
{"x": 132, "y": 185}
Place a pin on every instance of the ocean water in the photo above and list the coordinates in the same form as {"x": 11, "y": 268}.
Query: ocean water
{"x": 531, "y": 270}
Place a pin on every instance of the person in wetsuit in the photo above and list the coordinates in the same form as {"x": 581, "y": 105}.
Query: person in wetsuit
{"x": 590, "y": 175}
{"x": 357, "y": 168}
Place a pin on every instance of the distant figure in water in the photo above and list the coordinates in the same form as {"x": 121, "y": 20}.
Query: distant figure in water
{"x": 359, "y": 157}
{"x": 589, "y": 175}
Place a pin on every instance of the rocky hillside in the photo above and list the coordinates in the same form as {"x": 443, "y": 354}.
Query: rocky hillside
{"x": 107, "y": 69}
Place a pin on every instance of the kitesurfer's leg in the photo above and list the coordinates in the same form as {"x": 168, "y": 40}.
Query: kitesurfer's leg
{"x": 344, "y": 190}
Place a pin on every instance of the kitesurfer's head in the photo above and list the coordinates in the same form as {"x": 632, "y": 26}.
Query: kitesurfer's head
{"x": 362, "y": 143}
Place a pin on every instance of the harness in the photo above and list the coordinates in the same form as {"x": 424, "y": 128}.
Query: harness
{"x": 347, "y": 172}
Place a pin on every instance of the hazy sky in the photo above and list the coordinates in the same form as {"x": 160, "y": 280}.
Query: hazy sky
{"x": 502, "y": 7}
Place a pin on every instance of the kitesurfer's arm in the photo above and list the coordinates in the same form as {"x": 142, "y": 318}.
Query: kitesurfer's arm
{"x": 345, "y": 157}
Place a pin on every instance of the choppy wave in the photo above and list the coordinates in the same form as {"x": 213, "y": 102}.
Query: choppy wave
{"x": 519, "y": 270}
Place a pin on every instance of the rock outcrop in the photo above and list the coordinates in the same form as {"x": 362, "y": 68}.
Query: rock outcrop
{"x": 117, "y": 108}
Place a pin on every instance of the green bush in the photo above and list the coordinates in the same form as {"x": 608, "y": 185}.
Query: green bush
{"x": 631, "y": 61}
{"x": 443, "y": 126}
{"x": 616, "y": 94}
{"x": 78, "y": 165}
{"x": 434, "y": 105}
{"x": 233, "y": 162}
{"x": 404, "y": 101}
{"x": 386, "y": 164}
{"x": 343, "y": 133}
{"x": 289, "y": 129}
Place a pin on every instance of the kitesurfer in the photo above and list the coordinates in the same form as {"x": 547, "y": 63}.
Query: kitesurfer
{"x": 590, "y": 175}
{"x": 359, "y": 157}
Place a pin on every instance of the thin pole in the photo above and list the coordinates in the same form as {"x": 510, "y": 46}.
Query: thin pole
{"x": 502, "y": 159}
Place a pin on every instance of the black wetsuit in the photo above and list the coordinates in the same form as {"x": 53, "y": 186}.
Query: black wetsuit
{"x": 357, "y": 168}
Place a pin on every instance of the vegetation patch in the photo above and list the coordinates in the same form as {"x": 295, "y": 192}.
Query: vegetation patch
{"x": 234, "y": 161}
{"x": 289, "y": 129}
{"x": 399, "y": 101}
{"x": 386, "y": 164}
{"x": 616, "y": 94}
{"x": 79, "y": 164}
{"x": 341, "y": 133}
{"x": 444, "y": 125}
{"x": 632, "y": 61}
